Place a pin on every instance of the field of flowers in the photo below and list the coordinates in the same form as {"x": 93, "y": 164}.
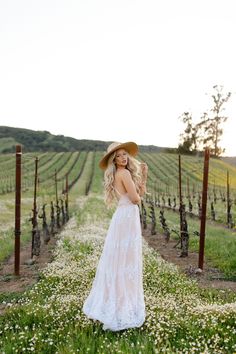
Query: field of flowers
{"x": 180, "y": 317}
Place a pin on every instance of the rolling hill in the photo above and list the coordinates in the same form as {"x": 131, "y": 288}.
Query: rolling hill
{"x": 32, "y": 140}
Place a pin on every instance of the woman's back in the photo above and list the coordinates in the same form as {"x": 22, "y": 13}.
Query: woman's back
{"x": 124, "y": 183}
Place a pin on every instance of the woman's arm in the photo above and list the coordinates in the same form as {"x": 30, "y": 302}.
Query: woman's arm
{"x": 129, "y": 185}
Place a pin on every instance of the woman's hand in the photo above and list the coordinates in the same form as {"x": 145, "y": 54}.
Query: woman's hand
{"x": 144, "y": 169}
{"x": 144, "y": 172}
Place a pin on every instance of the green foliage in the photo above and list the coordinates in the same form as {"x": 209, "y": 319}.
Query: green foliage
{"x": 220, "y": 243}
{"x": 185, "y": 148}
{"x": 7, "y": 240}
{"x": 207, "y": 132}
{"x": 190, "y": 137}
{"x": 94, "y": 209}
{"x": 7, "y": 144}
{"x": 180, "y": 317}
{"x": 32, "y": 140}
{"x": 44, "y": 141}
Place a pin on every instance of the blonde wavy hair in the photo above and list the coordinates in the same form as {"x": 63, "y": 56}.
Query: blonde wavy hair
{"x": 133, "y": 165}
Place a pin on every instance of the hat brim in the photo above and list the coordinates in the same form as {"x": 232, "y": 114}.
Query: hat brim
{"x": 130, "y": 147}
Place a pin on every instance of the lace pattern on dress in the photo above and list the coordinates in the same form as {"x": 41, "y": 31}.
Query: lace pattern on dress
{"x": 116, "y": 298}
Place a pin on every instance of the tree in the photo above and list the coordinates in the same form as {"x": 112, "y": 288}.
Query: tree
{"x": 212, "y": 125}
{"x": 208, "y": 132}
{"x": 190, "y": 136}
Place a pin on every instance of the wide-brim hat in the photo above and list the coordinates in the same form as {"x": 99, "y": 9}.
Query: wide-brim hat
{"x": 130, "y": 147}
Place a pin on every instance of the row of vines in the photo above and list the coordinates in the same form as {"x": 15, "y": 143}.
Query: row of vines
{"x": 163, "y": 186}
{"x": 83, "y": 173}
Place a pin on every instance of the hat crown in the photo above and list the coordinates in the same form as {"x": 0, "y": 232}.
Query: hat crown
{"x": 113, "y": 146}
{"x": 130, "y": 147}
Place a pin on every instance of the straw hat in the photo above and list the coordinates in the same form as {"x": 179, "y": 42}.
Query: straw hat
{"x": 130, "y": 147}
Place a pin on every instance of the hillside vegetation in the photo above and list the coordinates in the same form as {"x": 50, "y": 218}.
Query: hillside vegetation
{"x": 32, "y": 140}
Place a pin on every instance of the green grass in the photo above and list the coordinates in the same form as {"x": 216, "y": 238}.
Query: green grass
{"x": 7, "y": 143}
{"x": 81, "y": 185}
{"x": 163, "y": 168}
{"x": 180, "y": 317}
{"x": 10, "y": 297}
{"x": 97, "y": 186}
{"x": 93, "y": 211}
{"x": 7, "y": 240}
{"x": 220, "y": 242}
{"x": 45, "y": 195}
{"x": 7, "y": 236}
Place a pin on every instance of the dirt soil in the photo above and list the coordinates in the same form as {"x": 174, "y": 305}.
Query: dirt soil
{"x": 29, "y": 273}
{"x": 210, "y": 277}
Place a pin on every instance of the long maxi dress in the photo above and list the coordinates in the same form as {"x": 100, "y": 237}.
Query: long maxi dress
{"x": 116, "y": 298}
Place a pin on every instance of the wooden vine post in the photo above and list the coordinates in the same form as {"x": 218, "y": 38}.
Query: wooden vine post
{"x": 204, "y": 205}
{"x": 18, "y": 209}
{"x": 228, "y": 199}
{"x": 34, "y": 217}
{"x": 180, "y": 202}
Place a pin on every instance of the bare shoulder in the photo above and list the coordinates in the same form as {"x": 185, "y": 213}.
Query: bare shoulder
{"x": 124, "y": 174}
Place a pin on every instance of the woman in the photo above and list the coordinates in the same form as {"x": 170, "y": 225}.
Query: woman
{"x": 116, "y": 298}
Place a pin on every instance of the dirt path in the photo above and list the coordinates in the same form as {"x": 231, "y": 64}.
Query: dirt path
{"x": 9, "y": 283}
{"x": 210, "y": 277}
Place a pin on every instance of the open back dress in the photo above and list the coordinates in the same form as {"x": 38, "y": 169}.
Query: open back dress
{"x": 116, "y": 298}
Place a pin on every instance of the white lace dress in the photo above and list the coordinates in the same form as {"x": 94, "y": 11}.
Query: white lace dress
{"x": 116, "y": 298}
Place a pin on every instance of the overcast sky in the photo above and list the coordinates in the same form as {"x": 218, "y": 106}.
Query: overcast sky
{"x": 115, "y": 70}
